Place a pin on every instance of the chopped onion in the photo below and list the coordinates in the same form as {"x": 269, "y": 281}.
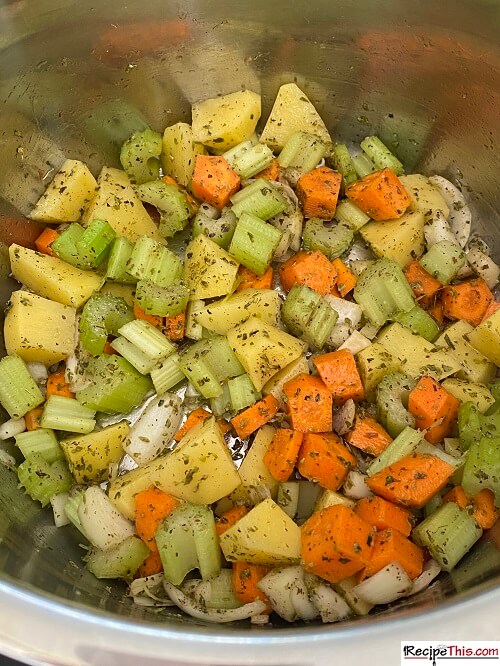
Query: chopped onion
{"x": 430, "y": 572}
{"x": 149, "y": 591}
{"x": 343, "y": 418}
{"x": 193, "y": 609}
{"x": 355, "y": 486}
{"x": 484, "y": 266}
{"x": 452, "y": 447}
{"x": 12, "y": 427}
{"x": 357, "y": 266}
{"x": 348, "y": 311}
{"x": 360, "y": 252}
{"x": 7, "y": 460}
{"x": 287, "y": 593}
{"x": 356, "y": 342}
{"x": 331, "y": 605}
{"x": 340, "y": 333}
{"x": 103, "y": 525}
{"x": 460, "y": 217}
{"x": 259, "y": 619}
{"x": 299, "y": 595}
{"x": 388, "y": 584}
{"x": 38, "y": 371}
{"x": 75, "y": 373}
{"x": 291, "y": 228}
{"x": 58, "y": 503}
{"x": 438, "y": 229}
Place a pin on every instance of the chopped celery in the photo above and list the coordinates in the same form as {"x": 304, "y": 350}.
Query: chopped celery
{"x": 302, "y": 151}
{"x": 140, "y": 156}
{"x": 187, "y": 540}
{"x": 102, "y": 315}
{"x": 61, "y": 413}
{"x": 331, "y": 240}
{"x": 392, "y": 399}
{"x": 342, "y": 161}
{"x": 171, "y": 203}
{"x": 443, "y": 260}
{"x": 254, "y": 242}
{"x": 152, "y": 261}
{"x": 65, "y": 246}
{"x": 448, "y": 533}
{"x": 219, "y": 593}
{"x": 420, "y": 322}
{"x": 42, "y": 480}
{"x": 18, "y": 390}
{"x": 472, "y": 425}
{"x": 383, "y": 291}
{"x": 219, "y": 229}
{"x": 433, "y": 504}
{"x": 141, "y": 361}
{"x": 233, "y": 153}
{"x": 147, "y": 338}
{"x": 162, "y": 301}
{"x": 41, "y": 441}
{"x": 194, "y": 330}
{"x": 247, "y": 163}
{"x": 94, "y": 244}
{"x": 403, "y": 445}
{"x": 167, "y": 374}
{"x": 350, "y": 215}
{"x": 482, "y": 467}
{"x": 494, "y": 388}
{"x": 71, "y": 509}
{"x": 259, "y": 199}
{"x": 380, "y": 155}
{"x": 117, "y": 263}
{"x": 222, "y": 403}
{"x": 115, "y": 385}
{"x": 121, "y": 561}
{"x": 242, "y": 392}
{"x": 363, "y": 165}
{"x": 308, "y": 315}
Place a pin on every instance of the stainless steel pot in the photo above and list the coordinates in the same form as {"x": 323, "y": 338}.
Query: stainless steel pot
{"x": 75, "y": 79}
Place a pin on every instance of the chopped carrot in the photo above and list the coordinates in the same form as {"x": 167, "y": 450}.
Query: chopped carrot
{"x": 336, "y": 543}
{"x": 151, "y": 507}
{"x": 318, "y": 192}
{"x": 57, "y": 385}
{"x": 309, "y": 404}
{"x": 458, "y": 496}
{"x": 192, "y": 203}
{"x": 340, "y": 375}
{"x": 346, "y": 280}
{"x": 175, "y": 326}
{"x": 436, "y": 311}
{"x": 368, "y": 435}
{"x": 411, "y": 481}
{"x": 484, "y": 509}
{"x": 32, "y": 418}
{"x": 151, "y": 566}
{"x": 380, "y": 195}
{"x": 213, "y": 180}
{"x": 384, "y": 515}
{"x": 229, "y": 518}
{"x": 467, "y": 300}
{"x": 422, "y": 283}
{"x": 108, "y": 349}
{"x": 435, "y": 410}
{"x": 323, "y": 459}
{"x": 255, "y": 416}
{"x": 244, "y": 579}
{"x": 196, "y": 416}
{"x": 491, "y": 309}
{"x": 310, "y": 268}
{"x": 272, "y": 172}
{"x": 250, "y": 280}
{"x": 391, "y": 546}
{"x": 152, "y": 319}
{"x": 282, "y": 453}
{"x": 335, "y": 292}
{"x": 45, "y": 240}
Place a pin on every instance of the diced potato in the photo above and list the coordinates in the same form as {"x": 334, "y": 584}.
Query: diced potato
{"x": 253, "y": 471}
{"x": 39, "y": 330}
{"x": 374, "y": 362}
{"x": 401, "y": 240}
{"x": 179, "y": 153}
{"x": 417, "y": 356}
{"x": 469, "y": 392}
{"x": 292, "y": 112}
{"x": 224, "y": 122}
{"x": 425, "y": 198}
{"x": 263, "y": 349}
{"x": 89, "y": 456}
{"x": 223, "y": 315}
{"x": 475, "y": 367}
{"x": 330, "y": 498}
{"x": 486, "y": 338}
{"x": 199, "y": 470}
{"x": 125, "y": 291}
{"x": 67, "y": 196}
{"x": 52, "y": 277}
{"x": 117, "y": 202}
{"x": 266, "y": 535}
{"x": 209, "y": 271}
{"x": 276, "y": 383}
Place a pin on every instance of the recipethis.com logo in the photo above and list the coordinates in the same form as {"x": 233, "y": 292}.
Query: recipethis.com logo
{"x": 450, "y": 653}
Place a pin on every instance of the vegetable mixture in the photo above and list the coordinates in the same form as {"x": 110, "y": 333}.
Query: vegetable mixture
{"x": 257, "y": 374}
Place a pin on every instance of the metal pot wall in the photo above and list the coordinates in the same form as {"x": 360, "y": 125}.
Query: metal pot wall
{"x": 75, "y": 79}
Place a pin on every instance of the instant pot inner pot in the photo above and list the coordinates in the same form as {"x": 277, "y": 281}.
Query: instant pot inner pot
{"x": 76, "y": 78}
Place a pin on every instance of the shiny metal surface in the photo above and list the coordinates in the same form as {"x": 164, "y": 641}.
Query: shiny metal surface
{"x": 77, "y": 77}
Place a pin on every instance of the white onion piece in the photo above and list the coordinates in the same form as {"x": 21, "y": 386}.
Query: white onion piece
{"x": 103, "y": 525}
{"x": 460, "y": 217}
{"x": 299, "y": 595}
{"x": 38, "y": 371}
{"x": 430, "y": 572}
{"x": 148, "y": 591}
{"x": 484, "y": 266}
{"x": 340, "y": 333}
{"x": 348, "y": 311}
{"x": 259, "y": 619}
{"x": 357, "y": 266}
{"x": 438, "y": 229}
{"x": 390, "y": 583}
{"x": 75, "y": 374}
{"x": 153, "y": 431}
{"x": 331, "y": 605}
{"x": 343, "y": 418}
{"x": 291, "y": 228}
{"x": 452, "y": 447}
{"x": 211, "y": 615}
{"x": 360, "y": 252}
{"x": 356, "y": 342}
{"x": 276, "y": 585}
{"x": 12, "y": 427}
{"x": 58, "y": 502}
{"x": 370, "y": 331}
{"x": 7, "y": 460}
{"x": 355, "y": 486}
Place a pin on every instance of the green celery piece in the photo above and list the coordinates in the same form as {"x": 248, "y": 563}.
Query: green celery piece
{"x": 469, "y": 425}
{"x": 403, "y": 445}
{"x": 167, "y": 374}
{"x": 254, "y": 242}
{"x": 117, "y": 262}
{"x": 443, "y": 260}
{"x": 71, "y": 509}
{"x": 102, "y": 315}
{"x": 380, "y": 155}
{"x": 331, "y": 240}
{"x": 222, "y": 403}
{"x": 392, "y": 398}
{"x": 221, "y": 595}
{"x": 147, "y": 338}
{"x": 140, "y": 156}
{"x": 152, "y": 261}
{"x": 249, "y": 162}
{"x": 187, "y": 540}
{"x": 341, "y": 160}
{"x": 219, "y": 229}
{"x": 42, "y": 480}
{"x": 420, "y": 322}
{"x": 222, "y": 358}
{"x": 242, "y": 392}
{"x": 19, "y": 392}
{"x": 260, "y": 199}
{"x": 115, "y": 387}
{"x": 95, "y": 242}
{"x": 350, "y": 215}
{"x": 363, "y": 165}
{"x": 65, "y": 246}
{"x": 308, "y": 315}
{"x": 482, "y": 467}
{"x": 449, "y": 533}
{"x": 41, "y": 441}
{"x": 171, "y": 203}
{"x": 122, "y": 561}
{"x": 302, "y": 151}
{"x": 494, "y": 389}
{"x": 62, "y": 413}
{"x": 141, "y": 361}
{"x": 162, "y": 301}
